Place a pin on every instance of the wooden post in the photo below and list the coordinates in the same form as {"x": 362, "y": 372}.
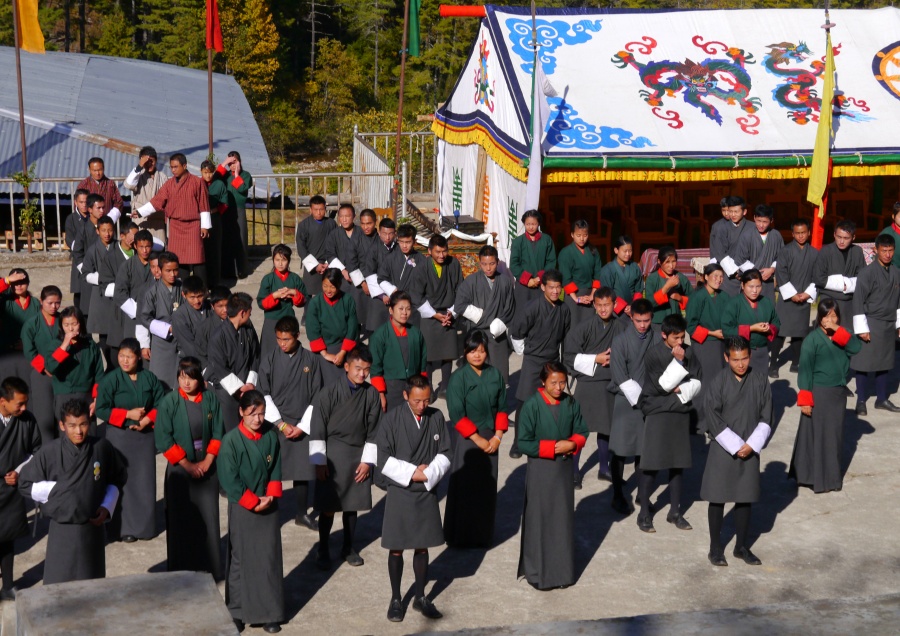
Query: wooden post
{"x": 16, "y": 30}
{"x": 209, "y": 93}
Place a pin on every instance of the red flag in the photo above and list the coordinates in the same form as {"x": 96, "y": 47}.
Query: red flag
{"x": 213, "y": 28}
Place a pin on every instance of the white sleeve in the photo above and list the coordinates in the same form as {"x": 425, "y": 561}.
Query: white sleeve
{"x": 318, "y": 452}
{"x": 631, "y": 390}
{"x": 787, "y": 291}
{"x": 93, "y": 278}
{"x": 473, "y": 314}
{"x": 396, "y": 469}
{"x": 129, "y": 307}
{"x": 110, "y": 290}
{"x": 688, "y": 391}
{"x": 305, "y": 423}
{"x": 374, "y": 288}
{"x": 231, "y": 383}
{"x": 160, "y": 328}
{"x": 746, "y": 266}
{"x": 357, "y": 278}
{"x": 146, "y": 210}
{"x": 730, "y": 441}
{"x": 452, "y": 310}
{"x": 436, "y": 471}
{"x": 80, "y": 265}
{"x": 759, "y": 437}
{"x": 811, "y": 291}
{"x": 273, "y": 415}
{"x": 205, "y": 221}
{"x": 860, "y": 324}
{"x": 252, "y": 378}
{"x": 427, "y": 310}
{"x": 774, "y": 264}
{"x": 585, "y": 363}
{"x": 836, "y": 282}
{"x": 729, "y": 266}
{"x": 388, "y": 287}
{"x": 19, "y": 468}
{"x": 115, "y": 214}
{"x": 131, "y": 180}
{"x": 310, "y": 262}
{"x": 851, "y": 285}
{"x": 672, "y": 376}
{"x": 497, "y": 328}
{"x": 141, "y": 333}
{"x": 897, "y": 324}
{"x": 369, "y": 454}
{"x": 40, "y": 491}
{"x": 110, "y": 499}
{"x": 518, "y": 346}
{"x": 336, "y": 263}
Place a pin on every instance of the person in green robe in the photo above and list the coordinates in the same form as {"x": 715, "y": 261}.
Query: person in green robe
{"x": 623, "y": 276}
{"x": 398, "y": 352}
{"x": 666, "y": 288}
{"x": 752, "y": 316}
{"x": 476, "y": 400}
{"x": 238, "y": 183}
{"x": 331, "y": 325}
{"x": 532, "y": 253}
{"x": 216, "y": 192}
{"x": 17, "y": 306}
{"x": 580, "y": 264}
{"x": 279, "y": 292}
{"x": 39, "y": 334}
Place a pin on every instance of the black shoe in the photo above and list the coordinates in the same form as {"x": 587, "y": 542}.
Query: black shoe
{"x": 395, "y": 611}
{"x": 621, "y": 506}
{"x": 272, "y": 628}
{"x": 578, "y": 480}
{"x": 748, "y": 557}
{"x": 239, "y": 625}
{"x": 717, "y": 558}
{"x": 887, "y": 405}
{"x": 8, "y": 594}
{"x": 424, "y": 606}
{"x": 323, "y": 561}
{"x": 645, "y": 524}
{"x": 637, "y": 502}
{"x": 773, "y": 373}
{"x": 795, "y": 367}
{"x": 680, "y": 522}
{"x": 306, "y": 521}
{"x": 514, "y": 451}
{"x": 352, "y": 558}
{"x": 128, "y": 538}
{"x": 604, "y": 476}
{"x": 861, "y": 408}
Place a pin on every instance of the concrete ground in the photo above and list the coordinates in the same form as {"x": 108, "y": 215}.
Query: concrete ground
{"x": 813, "y": 547}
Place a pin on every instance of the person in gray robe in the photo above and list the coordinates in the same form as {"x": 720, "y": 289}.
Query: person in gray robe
{"x": 739, "y": 416}
{"x": 398, "y": 269}
{"x": 760, "y": 249}
{"x": 838, "y": 265}
{"x": 190, "y": 315}
{"x": 312, "y": 233}
{"x": 381, "y": 248}
{"x": 218, "y": 304}
{"x": 486, "y": 301}
{"x": 343, "y": 249}
{"x": 726, "y": 249}
{"x": 368, "y": 241}
{"x": 113, "y": 320}
{"x": 92, "y": 295}
{"x": 160, "y": 300}
{"x": 78, "y": 224}
{"x": 796, "y": 294}
{"x": 132, "y": 275}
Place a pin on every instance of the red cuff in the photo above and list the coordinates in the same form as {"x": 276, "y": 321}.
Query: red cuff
{"x": 595, "y": 284}
{"x": 805, "y": 399}
{"x": 424, "y": 374}
{"x": 222, "y": 208}
{"x": 379, "y": 383}
{"x": 213, "y": 447}
{"x": 571, "y": 288}
{"x": 524, "y": 278}
{"x": 501, "y": 421}
{"x": 348, "y": 344}
{"x": 3, "y": 285}
{"x": 540, "y": 275}
{"x": 620, "y": 306}
{"x": 273, "y": 489}
{"x": 94, "y": 392}
{"x": 298, "y": 299}
{"x": 175, "y": 454}
{"x": 269, "y": 302}
{"x": 117, "y": 417}
{"x": 683, "y": 302}
{"x": 221, "y": 170}
{"x": 248, "y": 500}
{"x": 152, "y": 416}
{"x": 579, "y": 440}
{"x": 60, "y": 355}
{"x": 744, "y": 331}
{"x": 237, "y": 182}
{"x": 661, "y": 298}
{"x": 37, "y": 363}
{"x": 700, "y": 334}
{"x": 466, "y": 427}
{"x": 317, "y": 345}
{"x": 841, "y": 337}
{"x": 636, "y": 296}
{"x": 547, "y": 449}
{"x": 773, "y": 332}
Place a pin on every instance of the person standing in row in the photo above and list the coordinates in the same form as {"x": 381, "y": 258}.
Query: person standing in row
{"x": 398, "y": 353}
{"x": 312, "y": 232}
{"x": 39, "y": 334}
{"x": 17, "y": 307}
{"x": 532, "y": 253}
{"x": 893, "y": 230}
{"x": 752, "y": 316}
{"x": 280, "y": 291}
{"x": 331, "y": 324}
{"x": 368, "y": 242}
{"x": 838, "y": 265}
{"x": 133, "y": 275}
{"x": 110, "y": 324}
{"x": 476, "y": 400}
{"x": 75, "y": 362}
{"x": 161, "y": 299}
{"x": 235, "y": 235}
{"x": 80, "y": 234}
{"x": 188, "y": 433}
{"x": 739, "y": 405}
{"x": 190, "y": 316}
{"x": 718, "y": 234}
{"x": 217, "y": 196}
{"x": 759, "y": 250}
{"x": 98, "y": 183}
{"x": 90, "y": 273}
{"x": 667, "y": 288}
{"x": 623, "y": 275}
{"x": 145, "y": 182}
{"x": 553, "y": 431}
{"x": 398, "y": 270}
{"x": 824, "y": 363}
{"x": 580, "y": 264}
{"x": 218, "y": 305}
{"x": 729, "y": 257}
{"x": 384, "y": 245}
{"x": 342, "y": 250}
{"x": 413, "y": 456}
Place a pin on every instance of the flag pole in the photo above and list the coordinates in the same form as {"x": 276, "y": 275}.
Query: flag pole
{"x": 19, "y": 87}
{"x": 209, "y": 95}
{"x": 818, "y": 229}
{"x": 397, "y": 194}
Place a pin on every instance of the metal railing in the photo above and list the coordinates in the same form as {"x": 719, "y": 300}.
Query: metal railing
{"x": 418, "y": 149}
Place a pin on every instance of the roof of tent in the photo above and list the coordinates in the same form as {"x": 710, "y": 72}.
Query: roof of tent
{"x": 696, "y": 90}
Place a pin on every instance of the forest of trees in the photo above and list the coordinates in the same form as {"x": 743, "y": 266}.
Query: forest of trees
{"x": 311, "y": 69}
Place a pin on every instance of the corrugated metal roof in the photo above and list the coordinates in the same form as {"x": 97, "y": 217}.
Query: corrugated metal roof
{"x": 78, "y": 106}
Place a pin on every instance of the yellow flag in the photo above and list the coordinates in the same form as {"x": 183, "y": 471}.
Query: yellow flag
{"x": 818, "y": 174}
{"x": 31, "y": 38}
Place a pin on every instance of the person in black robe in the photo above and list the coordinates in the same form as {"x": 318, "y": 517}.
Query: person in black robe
{"x": 727, "y": 250}
{"x": 342, "y": 447}
{"x": 159, "y": 301}
{"x": 94, "y": 305}
{"x": 189, "y": 316}
{"x": 312, "y": 232}
{"x": 218, "y": 313}
{"x": 739, "y": 410}
{"x": 290, "y": 377}
{"x": 586, "y": 353}
{"x": 234, "y": 358}
{"x": 413, "y": 456}
{"x": 382, "y": 247}
{"x": 760, "y": 249}
{"x": 76, "y": 479}
{"x": 838, "y": 266}
{"x": 116, "y": 258}
{"x": 537, "y": 333}
{"x": 368, "y": 241}
{"x": 80, "y": 234}
{"x": 398, "y": 270}
{"x": 671, "y": 380}
{"x": 20, "y": 439}
{"x": 343, "y": 251}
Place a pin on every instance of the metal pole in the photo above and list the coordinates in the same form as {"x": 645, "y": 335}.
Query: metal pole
{"x": 209, "y": 91}
{"x": 403, "y": 193}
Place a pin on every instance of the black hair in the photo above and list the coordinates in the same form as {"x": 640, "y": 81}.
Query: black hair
{"x": 148, "y": 151}
{"x": 95, "y": 160}
{"x": 724, "y": 202}
{"x": 235, "y": 154}
{"x": 605, "y": 292}
{"x": 884, "y": 240}
{"x": 437, "y": 241}
{"x": 192, "y": 368}
{"x": 126, "y": 226}
{"x": 105, "y": 220}
{"x": 549, "y": 368}
{"x": 532, "y": 214}
{"x": 735, "y": 200}
{"x": 167, "y": 257}
{"x": 359, "y": 352}
{"x": 368, "y": 212}
{"x": 81, "y": 191}
{"x": 193, "y": 285}
{"x": 475, "y": 339}
{"x": 143, "y": 235}
{"x": 72, "y": 312}
{"x": 316, "y": 199}
{"x": 251, "y": 399}
{"x": 488, "y": 250}
{"x": 764, "y": 211}
{"x": 11, "y": 386}
{"x": 348, "y": 206}
{"x": 288, "y": 324}
{"x": 283, "y": 250}
{"x": 388, "y": 223}
{"x": 399, "y": 295}
{"x": 76, "y": 407}
{"x": 751, "y": 274}
{"x": 673, "y": 323}
{"x": 712, "y": 267}
{"x": 93, "y": 199}
{"x": 665, "y": 252}
{"x": 827, "y": 305}
{"x": 580, "y": 224}
{"x": 334, "y": 276}
{"x": 132, "y": 345}
{"x": 896, "y": 208}
{"x": 641, "y": 307}
{"x": 846, "y": 225}
{"x": 799, "y": 222}
{"x": 623, "y": 240}
{"x": 735, "y": 344}
{"x": 417, "y": 382}
{"x": 51, "y": 290}
{"x": 552, "y": 276}
{"x": 179, "y": 158}
{"x": 219, "y": 293}
{"x": 238, "y": 302}
{"x": 208, "y": 165}
{"x": 406, "y": 230}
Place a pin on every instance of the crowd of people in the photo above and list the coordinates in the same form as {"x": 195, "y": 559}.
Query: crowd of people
{"x": 155, "y": 356}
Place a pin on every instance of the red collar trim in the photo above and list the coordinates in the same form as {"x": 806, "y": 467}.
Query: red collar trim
{"x": 547, "y": 398}
{"x": 283, "y": 277}
{"x": 535, "y": 238}
{"x": 662, "y": 274}
{"x": 246, "y": 432}
{"x": 580, "y": 249}
{"x": 896, "y": 227}
{"x": 195, "y": 400}
{"x": 52, "y": 320}
{"x": 27, "y": 301}
{"x": 332, "y": 301}
{"x": 751, "y": 303}
{"x": 401, "y": 332}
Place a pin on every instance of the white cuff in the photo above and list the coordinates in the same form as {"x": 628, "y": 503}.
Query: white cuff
{"x": 158, "y": 245}
{"x": 631, "y": 390}
{"x": 336, "y": 263}
{"x": 305, "y": 423}
{"x": 115, "y": 214}
{"x": 19, "y": 468}
{"x": 129, "y": 307}
{"x": 160, "y": 328}
{"x": 317, "y": 452}
{"x": 473, "y": 314}
{"x": 110, "y": 290}
{"x": 357, "y": 278}
{"x": 851, "y": 285}
{"x": 518, "y": 345}
{"x": 759, "y": 437}
{"x": 585, "y": 363}
{"x": 774, "y": 264}
{"x": 131, "y": 180}
{"x": 747, "y": 266}
{"x": 436, "y": 471}
{"x": 811, "y": 292}
{"x": 729, "y": 266}
{"x": 231, "y": 383}
{"x": 712, "y": 261}
{"x": 730, "y": 441}
{"x": 860, "y": 324}
{"x": 310, "y": 262}
{"x": 688, "y": 391}
{"x": 387, "y": 287}
{"x": 397, "y": 470}
{"x": 142, "y": 335}
{"x": 897, "y": 324}
{"x": 497, "y": 328}
{"x": 452, "y": 310}
{"x": 80, "y": 265}
{"x": 787, "y": 291}
{"x": 110, "y": 499}
{"x": 40, "y": 491}
{"x": 427, "y": 310}
{"x": 146, "y": 210}
{"x": 273, "y": 415}
{"x": 374, "y": 288}
{"x": 93, "y": 278}
{"x": 836, "y": 283}
{"x": 205, "y": 221}
{"x": 252, "y": 378}
{"x": 672, "y": 376}
{"x": 369, "y": 454}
